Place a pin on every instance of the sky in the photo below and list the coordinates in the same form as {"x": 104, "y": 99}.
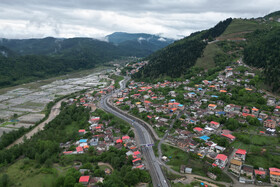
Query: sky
{"x": 98, "y": 18}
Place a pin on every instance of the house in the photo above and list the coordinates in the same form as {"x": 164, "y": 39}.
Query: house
{"x": 271, "y": 101}
{"x": 205, "y": 138}
{"x": 249, "y": 74}
{"x": 185, "y": 169}
{"x": 235, "y": 166}
{"x": 84, "y": 180}
{"x": 229, "y": 73}
{"x": 269, "y": 123}
{"x": 229, "y": 136}
{"x": 93, "y": 181}
{"x": 136, "y": 153}
{"x": 240, "y": 154}
{"x": 191, "y": 94}
{"x": 125, "y": 138}
{"x": 198, "y": 129}
{"x": 274, "y": 175}
{"x": 93, "y": 141}
{"x": 68, "y": 152}
{"x": 260, "y": 172}
{"x": 214, "y": 124}
{"x": 82, "y": 131}
{"x": 119, "y": 141}
{"x": 255, "y": 111}
{"x": 220, "y": 161}
{"x": 247, "y": 171}
{"x": 79, "y": 150}
{"x": 136, "y": 161}
{"x": 82, "y": 171}
{"x": 212, "y": 106}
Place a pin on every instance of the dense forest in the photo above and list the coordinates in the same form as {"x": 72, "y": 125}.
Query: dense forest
{"x": 174, "y": 60}
{"x": 263, "y": 51}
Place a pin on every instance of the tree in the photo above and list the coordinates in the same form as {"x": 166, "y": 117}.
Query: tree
{"x": 131, "y": 178}
{"x": 69, "y": 181}
{"x": 4, "y": 180}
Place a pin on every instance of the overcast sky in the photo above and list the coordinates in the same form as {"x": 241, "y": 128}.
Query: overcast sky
{"x": 97, "y": 18}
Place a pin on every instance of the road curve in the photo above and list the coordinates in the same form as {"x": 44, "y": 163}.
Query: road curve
{"x": 54, "y": 112}
{"x": 158, "y": 178}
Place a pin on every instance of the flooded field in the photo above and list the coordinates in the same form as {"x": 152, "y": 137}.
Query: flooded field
{"x": 27, "y": 102}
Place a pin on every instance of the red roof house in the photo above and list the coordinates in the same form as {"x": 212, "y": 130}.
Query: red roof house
{"x": 241, "y": 151}
{"x": 198, "y": 129}
{"x": 259, "y": 172}
{"x": 79, "y": 149}
{"x": 84, "y": 179}
{"x": 119, "y": 141}
{"x": 136, "y": 153}
{"x": 214, "y": 124}
{"x": 229, "y": 136}
{"x": 240, "y": 154}
{"x": 125, "y": 138}
{"x": 221, "y": 157}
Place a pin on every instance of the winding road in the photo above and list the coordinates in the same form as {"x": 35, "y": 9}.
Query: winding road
{"x": 158, "y": 178}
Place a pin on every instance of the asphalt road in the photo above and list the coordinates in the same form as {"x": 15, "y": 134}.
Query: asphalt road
{"x": 158, "y": 178}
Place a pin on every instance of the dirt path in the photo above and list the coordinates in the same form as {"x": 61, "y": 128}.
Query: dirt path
{"x": 54, "y": 112}
{"x": 105, "y": 164}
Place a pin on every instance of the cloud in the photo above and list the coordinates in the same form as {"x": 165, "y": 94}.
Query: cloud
{"x": 98, "y": 18}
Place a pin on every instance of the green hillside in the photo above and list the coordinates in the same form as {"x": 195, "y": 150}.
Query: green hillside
{"x": 263, "y": 51}
{"x": 175, "y": 60}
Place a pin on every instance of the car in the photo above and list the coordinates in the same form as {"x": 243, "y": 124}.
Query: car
{"x": 164, "y": 181}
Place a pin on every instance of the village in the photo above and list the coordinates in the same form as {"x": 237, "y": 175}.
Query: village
{"x": 205, "y": 123}
{"x": 102, "y": 133}
{"x": 213, "y": 119}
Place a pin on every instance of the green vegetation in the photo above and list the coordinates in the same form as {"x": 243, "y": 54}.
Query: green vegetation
{"x": 25, "y": 172}
{"x": 178, "y": 157}
{"x": 240, "y": 26}
{"x": 263, "y": 151}
{"x": 175, "y": 60}
{"x": 262, "y": 52}
{"x": 117, "y": 79}
{"x": 207, "y": 59}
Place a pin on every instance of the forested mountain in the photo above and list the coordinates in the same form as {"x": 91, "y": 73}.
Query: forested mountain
{"x": 120, "y": 37}
{"x": 263, "y": 51}
{"x": 174, "y": 60}
{"x": 27, "y": 60}
{"x": 143, "y": 44}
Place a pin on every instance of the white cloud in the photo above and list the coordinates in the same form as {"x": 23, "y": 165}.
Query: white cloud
{"x": 97, "y": 18}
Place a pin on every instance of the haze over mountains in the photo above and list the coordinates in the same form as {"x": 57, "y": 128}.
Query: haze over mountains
{"x": 145, "y": 44}
{"x": 25, "y": 60}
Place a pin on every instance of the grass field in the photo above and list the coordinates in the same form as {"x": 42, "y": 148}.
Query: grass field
{"x": 6, "y": 123}
{"x": 207, "y": 59}
{"x": 23, "y": 173}
{"x": 241, "y": 25}
{"x": 176, "y": 156}
{"x": 262, "y": 151}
